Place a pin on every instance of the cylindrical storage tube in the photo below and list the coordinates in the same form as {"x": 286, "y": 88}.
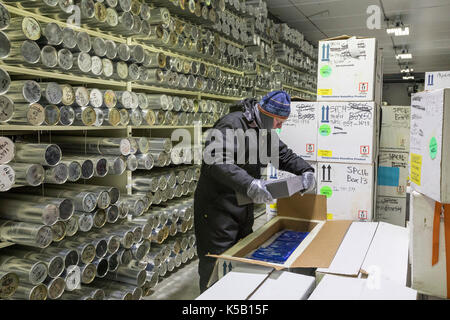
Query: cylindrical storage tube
{"x": 9, "y": 282}
{"x": 27, "y": 291}
{"x": 83, "y": 201}
{"x": 128, "y": 274}
{"x": 27, "y": 270}
{"x": 28, "y": 174}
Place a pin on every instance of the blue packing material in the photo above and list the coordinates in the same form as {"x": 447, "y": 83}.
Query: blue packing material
{"x": 292, "y": 236}
{"x": 281, "y": 248}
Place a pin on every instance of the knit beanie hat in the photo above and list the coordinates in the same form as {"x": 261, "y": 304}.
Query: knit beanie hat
{"x": 276, "y": 104}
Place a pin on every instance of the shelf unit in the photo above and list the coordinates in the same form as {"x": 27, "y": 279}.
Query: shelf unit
{"x": 124, "y": 180}
{"x": 298, "y": 89}
{"x": 185, "y": 57}
{"x": 19, "y": 10}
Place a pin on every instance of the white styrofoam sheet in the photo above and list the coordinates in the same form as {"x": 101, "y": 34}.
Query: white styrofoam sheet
{"x": 353, "y": 249}
{"x": 346, "y": 288}
{"x": 238, "y": 284}
{"x": 388, "y": 253}
{"x": 283, "y": 285}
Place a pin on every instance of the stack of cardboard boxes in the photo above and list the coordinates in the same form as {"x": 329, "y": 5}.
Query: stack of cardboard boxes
{"x": 349, "y": 89}
{"x": 393, "y": 164}
{"x": 430, "y": 199}
{"x": 339, "y": 132}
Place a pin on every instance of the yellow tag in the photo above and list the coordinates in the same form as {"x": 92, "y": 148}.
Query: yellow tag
{"x": 416, "y": 168}
{"x": 325, "y": 153}
{"x": 329, "y": 216}
{"x": 324, "y": 92}
{"x": 273, "y": 205}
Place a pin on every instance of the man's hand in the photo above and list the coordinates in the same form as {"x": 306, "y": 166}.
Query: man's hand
{"x": 308, "y": 181}
{"x": 258, "y": 192}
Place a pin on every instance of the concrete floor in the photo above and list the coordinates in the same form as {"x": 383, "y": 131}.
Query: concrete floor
{"x": 182, "y": 283}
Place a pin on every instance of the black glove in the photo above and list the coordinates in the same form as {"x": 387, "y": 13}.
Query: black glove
{"x": 308, "y": 181}
{"x": 258, "y": 192}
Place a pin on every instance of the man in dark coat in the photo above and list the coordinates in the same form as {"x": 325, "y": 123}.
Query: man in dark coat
{"x": 219, "y": 221}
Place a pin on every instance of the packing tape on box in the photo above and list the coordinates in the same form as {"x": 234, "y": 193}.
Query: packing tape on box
{"x": 438, "y": 209}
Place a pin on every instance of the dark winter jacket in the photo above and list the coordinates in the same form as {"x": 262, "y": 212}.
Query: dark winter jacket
{"x": 219, "y": 221}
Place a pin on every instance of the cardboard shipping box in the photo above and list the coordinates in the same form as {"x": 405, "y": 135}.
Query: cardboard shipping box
{"x": 395, "y": 128}
{"x": 347, "y": 132}
{"x": 430, "y": 144}
{"x": 299, "y": 132}
{"x": 334, "y": 287}
{"x": 426, "y": 278}
{"x": 392, "y": 174}
{"x": 349, "y": 189}
{"x": 299, "y": 213}
{"x": 349, "y": 69}
{"x": 437, "y": 80}
{"x": 391, "y": 210}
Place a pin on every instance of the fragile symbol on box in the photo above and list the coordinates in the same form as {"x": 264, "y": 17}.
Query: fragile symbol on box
{"x": 363, "y": 87}
{"x": 310, "y": 148}
{"x": 365, "y": 150}
{"x": 363, "y": 214}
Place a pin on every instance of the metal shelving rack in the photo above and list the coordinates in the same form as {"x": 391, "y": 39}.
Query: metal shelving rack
{"x": 123, "y": 182}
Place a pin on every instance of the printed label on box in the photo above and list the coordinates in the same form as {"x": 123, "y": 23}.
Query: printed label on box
{"x": 365, "y": 150}
{"x": 325, "y": 153}
{"x": 324, "y": 92}
{"x": 363, "y": 86}
{"x": 363, "y": 214}
{"x": 388, "y": 176}
{"x": 416, "y": 168}
{"x": 309, "y": 148}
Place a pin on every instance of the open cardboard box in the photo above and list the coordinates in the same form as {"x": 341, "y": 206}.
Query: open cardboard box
{"x": 307, "y": 213}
